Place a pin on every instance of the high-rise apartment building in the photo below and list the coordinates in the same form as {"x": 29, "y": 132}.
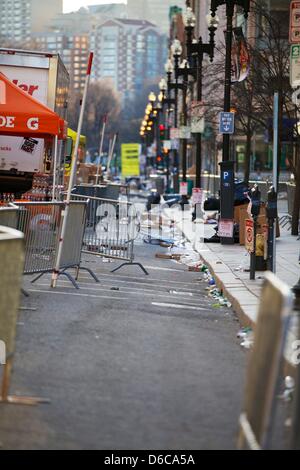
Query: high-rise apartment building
{"x": 73, "y": 49}
{"x": 21, "y": 18}
{"x": 155, "y": 11}
{"x": 129, "y": 53}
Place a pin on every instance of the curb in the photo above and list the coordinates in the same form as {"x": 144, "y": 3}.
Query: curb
{"x": 234, "y": 293}
{"x": 244, "y": 302}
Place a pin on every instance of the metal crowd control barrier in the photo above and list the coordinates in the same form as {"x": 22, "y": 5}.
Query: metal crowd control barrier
{"x": 265, "y": 365}
{"x": 12, "y": 259}
{"x": 104, "y": 191}
{"x": 111, "y": 229}
{"x": 41, "y": 224}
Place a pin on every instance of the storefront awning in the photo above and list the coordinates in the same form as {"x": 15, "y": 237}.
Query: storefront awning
{"x": 22, "y": 115}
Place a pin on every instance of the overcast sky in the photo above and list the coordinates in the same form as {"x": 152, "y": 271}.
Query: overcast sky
{"x": 73, "y": 5}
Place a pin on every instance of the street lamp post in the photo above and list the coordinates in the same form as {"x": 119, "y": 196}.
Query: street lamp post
{"x": 176, "y": 50}
{"x": 163, "y": 86}
{"x": 198, "y": 49}
{"x": 227, "y": 166}
{"x": 155, "y": 112}
{"x": 183, "y": 71}
{"x": 147, "y": 129}
{"x": 169, "y": 68}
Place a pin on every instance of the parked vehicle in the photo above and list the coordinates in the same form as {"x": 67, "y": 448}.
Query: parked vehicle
{"x": 44, "y": 77}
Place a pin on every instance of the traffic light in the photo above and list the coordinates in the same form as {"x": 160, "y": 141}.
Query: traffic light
{"x": 162, "y": 132}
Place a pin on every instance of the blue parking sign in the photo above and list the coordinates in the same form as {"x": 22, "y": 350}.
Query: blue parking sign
{"x": 226, "y": 123}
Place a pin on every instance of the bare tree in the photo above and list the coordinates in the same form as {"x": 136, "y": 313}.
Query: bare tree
{"x": 269, "y": 70}
{"x": 102, "y": 100}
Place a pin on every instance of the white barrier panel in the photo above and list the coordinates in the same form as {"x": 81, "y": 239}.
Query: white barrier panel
{"x": 111, "y": 229}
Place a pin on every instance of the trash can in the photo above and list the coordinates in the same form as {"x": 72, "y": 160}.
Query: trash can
{"x": 12, "y": 262}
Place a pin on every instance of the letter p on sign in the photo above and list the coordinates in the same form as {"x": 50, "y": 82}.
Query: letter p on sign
{"x": 2, "y": 353}
{"x": 2, "y": 92}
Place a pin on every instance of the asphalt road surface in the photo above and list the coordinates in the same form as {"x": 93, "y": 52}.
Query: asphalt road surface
{"x": 135, "y": 362}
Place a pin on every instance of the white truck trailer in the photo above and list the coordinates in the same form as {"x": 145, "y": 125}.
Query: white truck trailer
{"x": 43, "y": 76}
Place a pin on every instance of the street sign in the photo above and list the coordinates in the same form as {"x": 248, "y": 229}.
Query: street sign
{"x": 295, "y": 65}
{"x": 249, "y": 235}
{"x": 197, "y": 196}
{"x": 130, "y": 159}
{"x": 197, "y": 125}
{"x": 226, "y": 123}
{"x": 174, "y": 133}
{"x": 294, "y": 32}
{"x": 183, "y": 189}
{"x": 225, "y": 228}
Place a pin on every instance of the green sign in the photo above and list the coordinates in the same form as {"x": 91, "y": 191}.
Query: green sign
{"x": 295, "y": 51}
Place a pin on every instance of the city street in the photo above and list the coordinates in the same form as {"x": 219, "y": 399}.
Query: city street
{"x": 150, "y": 227}
{"x": 136, "y": 362}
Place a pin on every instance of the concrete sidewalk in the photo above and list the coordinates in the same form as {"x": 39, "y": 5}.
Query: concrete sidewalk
{"x": 227, "y": 264}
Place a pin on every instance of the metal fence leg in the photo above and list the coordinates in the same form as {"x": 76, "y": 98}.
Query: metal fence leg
{"x": 90, "y": 272}
{"x": 71, "y": 278}
{"x": 131, "y": 264}
{"x": 37, "y": 278}
{"x": 25, "y": 293}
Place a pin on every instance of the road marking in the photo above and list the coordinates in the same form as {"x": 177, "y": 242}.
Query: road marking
{"x": 164, "y": 269}
{"x": 129, "y": 290}
{"x": 101, "y": 273}
{"x": 129, "y": 281}
{"x": 80, "y": 295}
{"x": 187, "y": 307}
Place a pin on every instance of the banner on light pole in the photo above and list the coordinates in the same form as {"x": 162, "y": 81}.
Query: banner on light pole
{"x": 240, "y": 56}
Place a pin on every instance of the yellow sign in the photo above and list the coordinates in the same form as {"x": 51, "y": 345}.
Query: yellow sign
{"x": 131, "y": 159}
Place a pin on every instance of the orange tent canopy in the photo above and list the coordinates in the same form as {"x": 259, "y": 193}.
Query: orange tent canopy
{"x": 22, "y": 115}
